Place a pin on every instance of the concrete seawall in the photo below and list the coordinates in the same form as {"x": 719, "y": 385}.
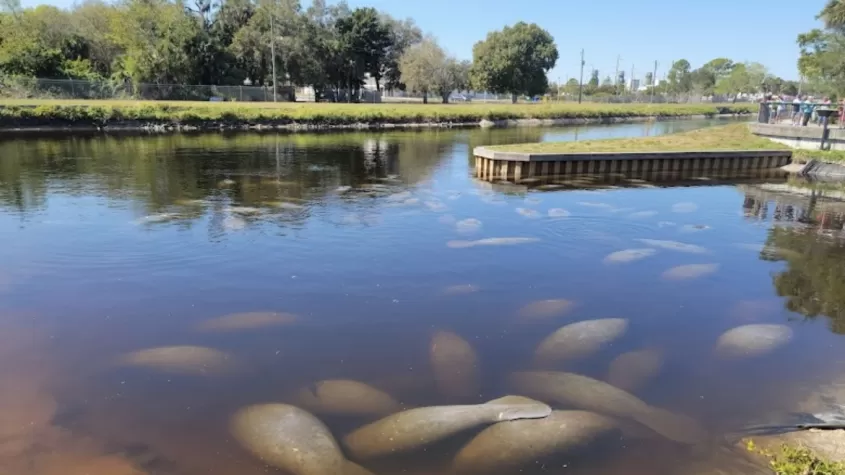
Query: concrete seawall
{"x": 808, "y": 138}
{"x": 515, "y": 166}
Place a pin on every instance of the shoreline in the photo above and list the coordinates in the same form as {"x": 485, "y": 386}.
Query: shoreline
{"x": 58, "y": 125}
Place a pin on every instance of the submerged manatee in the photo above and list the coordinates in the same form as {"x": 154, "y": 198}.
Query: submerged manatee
{"x": 455, "y": 366}
{"x": 181, "y": 359}
{"x": 346, "y": 397}
{"x": 674, "y": 246}
{"x": 504, "y": 241}
{"x": 628, "y": 255}
{"x": 684, "y": 207}
{"x": 461, "y": 289}
{"x": 352, "y": 468}
{"x": 543, "y": 309}
{"x": 690, "y": 271}
{"x": 752, "y": 340}
{"x": 558, "y": 213}
{"x": 589, "y": 394}
{"x": 578, "y": 340}
{"x": 467, "y": 226}
{"x": 517, "y": 443}
{"x": 288, "y": 438}
{"x": 630, "y": 371}
{"x": 417, "y": 428}
{"x": 247, "y": 321}
{"x": 528, "y": 212}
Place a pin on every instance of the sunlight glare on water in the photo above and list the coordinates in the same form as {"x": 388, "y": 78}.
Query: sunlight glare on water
{"x": 251, "y": 304}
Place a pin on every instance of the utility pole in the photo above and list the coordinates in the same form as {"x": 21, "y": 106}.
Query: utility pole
{"x": 653, "y": 82}
{"x": 581, "y": 82}
{"x": 273, "y": 48}
{"x": 616, "y": 78}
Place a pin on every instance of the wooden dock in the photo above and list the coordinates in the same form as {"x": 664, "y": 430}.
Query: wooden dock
{"x": 493, "y": 165}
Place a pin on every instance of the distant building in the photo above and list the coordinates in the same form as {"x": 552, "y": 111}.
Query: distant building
{"x": 634, "y": 85}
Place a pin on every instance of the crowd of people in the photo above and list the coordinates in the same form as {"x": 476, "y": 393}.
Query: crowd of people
{"x": 801, "y": 110}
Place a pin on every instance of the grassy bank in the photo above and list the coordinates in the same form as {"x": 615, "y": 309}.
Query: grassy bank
{"x": 727, "y": 137}
{"x": 210, "y": 114}
{"x": 828, "y": 156}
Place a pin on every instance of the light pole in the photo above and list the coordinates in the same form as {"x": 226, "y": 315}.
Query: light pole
{"x": 581, "y": 82}
{"x": 273, "y": 48}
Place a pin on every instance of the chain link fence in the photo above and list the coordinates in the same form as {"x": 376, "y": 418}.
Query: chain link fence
{"x": 82, "y": 89}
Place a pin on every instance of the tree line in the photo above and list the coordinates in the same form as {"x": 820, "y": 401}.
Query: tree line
{"x": 719, "y": 76}
{"x": 329, "y": 47}
{"x": 822, "y": 58}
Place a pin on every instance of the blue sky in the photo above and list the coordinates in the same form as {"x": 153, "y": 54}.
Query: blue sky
{"x": 640, "y": 31}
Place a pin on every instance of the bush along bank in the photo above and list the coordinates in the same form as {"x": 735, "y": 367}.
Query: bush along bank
{"x": 152, "y": 116}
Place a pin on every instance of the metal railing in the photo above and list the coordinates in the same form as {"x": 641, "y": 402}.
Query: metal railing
{"x": 796, "y": 113}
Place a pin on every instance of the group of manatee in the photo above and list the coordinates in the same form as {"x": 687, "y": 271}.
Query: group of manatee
{"x": 547, "y": 413}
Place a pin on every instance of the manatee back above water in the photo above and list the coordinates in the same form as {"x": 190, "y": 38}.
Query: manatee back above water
{"x": 455, "y": 366}
{"x": 582, "y": 392}
{"x": 417, "y": 428}
{"x": 516, "y": 444}
{"x": 288, "y": 438}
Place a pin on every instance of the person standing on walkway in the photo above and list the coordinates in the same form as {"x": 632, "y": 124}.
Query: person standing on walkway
{"x": 796, "y": 110}
{"x": 807, "y": 107}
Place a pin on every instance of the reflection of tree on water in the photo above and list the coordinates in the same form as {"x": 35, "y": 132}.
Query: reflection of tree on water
{"x": 196, "y": 175}
{"x": 814, "y": 252}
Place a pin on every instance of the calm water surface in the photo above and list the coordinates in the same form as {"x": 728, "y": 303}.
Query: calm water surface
{"x": 117, "y": 244}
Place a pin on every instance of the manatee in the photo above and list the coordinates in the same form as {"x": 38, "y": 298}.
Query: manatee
{"x": 467, "y": 226}
{"x": 504, "y": 241}
{"x": 589, "y": 394}
{"x": 347, "y": 398}
{"x": 578, "y": 340}
{"x": 629, "y": 371}
{"x": 692, "y": 228}
{"x": 226, "y": 183}
{"x": 181, "y": 359}
{"x": 517, "y": 443}
{"x": 417, "y": 428}
{"x": 544, "y": 309}
{"x": 674, "y": 246}
{"x": 285, "y": 205}
{"x": 528, "y": 212}
{"x": 158, "y": 218}
{"x": 558, "y": 213}
{"x": 593, "y": 204}
{"x": 399, "y": 197}
{"x": 455, "y": 366}
{"x": 245, "y": 210}
{"x": 460, "y": 289}
{"x": 752, "y": 340}
{"x": 628, "y": 255}
{"x": 233, "y": 223}
{"x": 435, "y": 205}
{"x": 247, "y": 321}
{"x": 288, "y": 438}
{"x": 411, "y": 201}
{"x": 684, "y": 207}
{"x": 690, "y": 271}
{"x": 643, "y": 214}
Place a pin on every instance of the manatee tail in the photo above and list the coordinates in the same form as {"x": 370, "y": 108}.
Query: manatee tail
{"x": 676, "y": 427}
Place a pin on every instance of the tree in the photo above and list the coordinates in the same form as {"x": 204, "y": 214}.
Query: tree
{"x": 404, "y": 34}
{"x": 620, "y": 81}
{"x": 514, "y": 60}
{"x": 679, "y": 77}
{"x": 571, "y": 87}
{"x": 833, "y": 14}
{"x": 594, "y": 78}
{"x": 421, "y": 65}
{"x": 745, "y": 78}
{"x": 607, "y": 81}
